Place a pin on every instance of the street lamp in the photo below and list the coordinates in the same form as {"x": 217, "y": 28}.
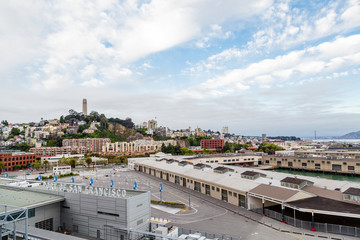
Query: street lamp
{"x": 189, "y": 196}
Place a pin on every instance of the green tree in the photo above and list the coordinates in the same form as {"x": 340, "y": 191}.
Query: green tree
{"x": 72, "y": 162}
{"x": 2, "y": 166}
{"x": 88, "y": 161}
{"x": 15, "y": 131}
{"x": 37, "y": 165}
{"x": 62, "y": 120}
{"x": 22, "y": 147}
{"x": 269, "y": 148}
{"x": 5, "y": 122}
{"x": 16, "y": 167}
{"x": 46, "y": 164}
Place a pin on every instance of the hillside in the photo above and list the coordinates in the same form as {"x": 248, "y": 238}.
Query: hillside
{"x": 352, "y": 135}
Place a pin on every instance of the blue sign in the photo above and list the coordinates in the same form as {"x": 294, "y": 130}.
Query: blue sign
{"x": 40, "y": 178}
{"x": 160, "y": 187}
{"x": 72, "y": 179}
{"x": 111, "y": 183}
{"x": 135, "y": 185}
{"x": 6, "y": 175}
{"x": 93, "y": 166}
{"x": 55, "y": 179}
{"x": 91, "y": 181}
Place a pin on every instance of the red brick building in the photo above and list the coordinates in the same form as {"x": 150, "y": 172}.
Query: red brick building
{"x": 12, "y": 159}
{"x": 212, "y": 143}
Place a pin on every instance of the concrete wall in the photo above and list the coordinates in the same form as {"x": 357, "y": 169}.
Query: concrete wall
{"x": 47, "y": 212}
{"x": 90, "y": 213}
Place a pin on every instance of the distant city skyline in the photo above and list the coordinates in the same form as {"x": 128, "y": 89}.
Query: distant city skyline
{"x": 274, "y": 67}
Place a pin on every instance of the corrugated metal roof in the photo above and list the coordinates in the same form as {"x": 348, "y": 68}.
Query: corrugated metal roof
{"x": 278, "y": 193}
{"x": 226, "y": 180}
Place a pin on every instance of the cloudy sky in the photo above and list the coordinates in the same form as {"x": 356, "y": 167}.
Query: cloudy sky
{"x": 277, "y": 67}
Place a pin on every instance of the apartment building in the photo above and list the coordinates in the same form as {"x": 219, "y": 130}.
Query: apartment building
{"x": 138, "y": 146}
{"x": 90, "y": 144}
{"x": 315, "y": 163}
{"x": 19, "y": 158}
{"x": 50, "y": 151}
{"x": 212, "y": 143}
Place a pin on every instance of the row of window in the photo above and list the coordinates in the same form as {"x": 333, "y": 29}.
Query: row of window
{"x": 16, "y": 163}
{"x": 309, "y": 161}
{"x": 18, "y": 158}
{"x": 352, "y": 197}
{"x": 191, "y": 182}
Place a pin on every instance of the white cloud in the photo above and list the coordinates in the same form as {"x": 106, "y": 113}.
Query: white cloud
{"x": 215, "y": 32}
{"x": 296, "y": 65}
{"x": 85, "y": 39}
{"x": 93, "y": 83}
{"x": 286, "y": 26}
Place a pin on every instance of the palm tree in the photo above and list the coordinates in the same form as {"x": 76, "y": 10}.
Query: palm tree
{"x": 46, "y": 164}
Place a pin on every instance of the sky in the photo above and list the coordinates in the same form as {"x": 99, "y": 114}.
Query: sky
{"x": 277, "y": 67}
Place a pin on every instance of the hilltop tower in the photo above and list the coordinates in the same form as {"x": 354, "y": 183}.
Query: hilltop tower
{"x": 84, "y": 107}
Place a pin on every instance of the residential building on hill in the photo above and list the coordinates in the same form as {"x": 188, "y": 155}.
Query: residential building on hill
{"x": 90, "y": 144}
{"x": 212, "y": 143}
{"x": 138, "y": 146}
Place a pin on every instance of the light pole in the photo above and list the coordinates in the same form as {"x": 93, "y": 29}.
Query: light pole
{"x": 189, "y": 196}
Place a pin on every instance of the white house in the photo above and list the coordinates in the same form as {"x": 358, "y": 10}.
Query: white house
{"x": 61, "y": 169}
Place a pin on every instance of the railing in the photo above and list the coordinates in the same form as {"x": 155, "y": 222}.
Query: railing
{"x": 208, "y": 235}
{"x": 320, "y": 227}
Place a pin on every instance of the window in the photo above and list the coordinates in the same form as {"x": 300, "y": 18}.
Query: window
{"x": 213, "y": 188}
{"x": 31, "y": 212}
{"x": 336, "y": 167}
{"x": 217, "y": 189}
{"x": 230, "y": 193}
{"x": 235, "y": 194}
{"x": 110, "y": 214}
{"x": 351, "y": 168}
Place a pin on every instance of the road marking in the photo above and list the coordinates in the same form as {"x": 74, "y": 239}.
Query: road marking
{"x": 297, "y": 237}
{"x": 183, "y": 199}
{"x": 155, "y": 196}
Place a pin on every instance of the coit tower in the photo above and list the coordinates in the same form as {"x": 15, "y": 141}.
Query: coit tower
{"x": 85, "y": 106}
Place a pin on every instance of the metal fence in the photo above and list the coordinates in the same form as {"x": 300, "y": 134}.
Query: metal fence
{"x": 320, "y": 227}
{"x": 208, "y": 235}
{"x": 121, "y": 233}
